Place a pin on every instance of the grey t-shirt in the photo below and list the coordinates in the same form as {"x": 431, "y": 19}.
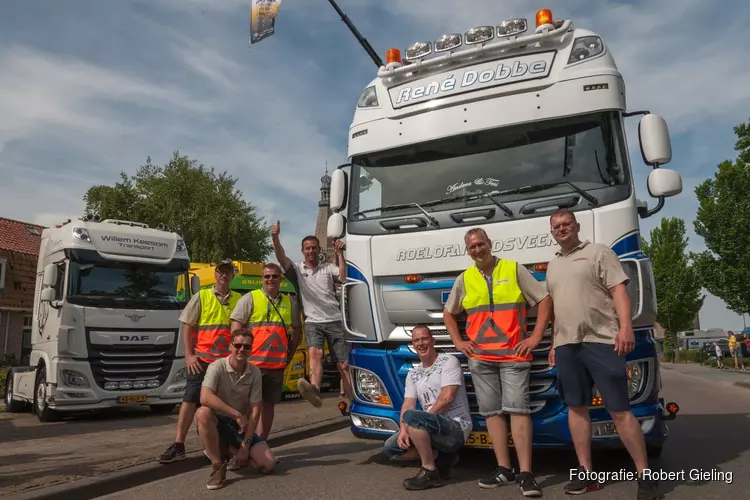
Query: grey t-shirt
{"x": 424, "y": 384}
{"x": 316, "y": 289}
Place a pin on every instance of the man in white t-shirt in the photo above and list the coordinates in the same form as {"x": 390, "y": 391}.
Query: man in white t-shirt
{"x": 445, "y": 420}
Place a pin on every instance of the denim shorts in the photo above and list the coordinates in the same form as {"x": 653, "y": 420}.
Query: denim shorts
{"x": 501, "y": 387}
{"x": 229, "y": 433}
{"x": 446, "y": 434}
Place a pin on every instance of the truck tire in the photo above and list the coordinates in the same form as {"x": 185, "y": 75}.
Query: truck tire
{"x": 653, "y": 451}
{"x": 43, "y": 412}
{"x": 162, "y": 408}
{"x": 10, "y": 404}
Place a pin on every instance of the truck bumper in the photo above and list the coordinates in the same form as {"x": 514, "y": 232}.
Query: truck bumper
{"x": 550, "y": 429}
{"x": 73, "y": 398}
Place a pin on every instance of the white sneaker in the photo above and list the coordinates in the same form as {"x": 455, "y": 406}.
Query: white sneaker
{"x": 233, "y": 465}
{"x": 309, "y": 392}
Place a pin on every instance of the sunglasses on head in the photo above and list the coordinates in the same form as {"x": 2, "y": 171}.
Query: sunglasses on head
{"x": 271, "y": 276}
{"x": 240, "y": 346}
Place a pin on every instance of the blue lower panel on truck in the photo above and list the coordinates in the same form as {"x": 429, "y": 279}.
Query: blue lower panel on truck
{"x": 379, "y": 378}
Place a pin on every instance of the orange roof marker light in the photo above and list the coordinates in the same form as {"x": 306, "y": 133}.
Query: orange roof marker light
{"x": 392, "y": 56}
{"x": 544, "y": 20}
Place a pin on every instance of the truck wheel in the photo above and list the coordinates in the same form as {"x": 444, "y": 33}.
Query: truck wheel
{"x": 41, "y": 408}
{"x": 10, "y": 404}
{"x": 162, "y": 408}
{"x": 653, "y": 451}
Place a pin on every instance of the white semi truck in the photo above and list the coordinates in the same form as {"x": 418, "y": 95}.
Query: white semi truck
{"x": 105, "y": 322}
{"x": 495, "y": 127}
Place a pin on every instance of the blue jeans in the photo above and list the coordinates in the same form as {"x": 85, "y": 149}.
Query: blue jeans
{"x": 446, "y": 434}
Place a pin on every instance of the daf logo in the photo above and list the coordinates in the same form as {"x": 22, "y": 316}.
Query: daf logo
{"x": 133, "y": 338}
{"x": 135, "y": 318}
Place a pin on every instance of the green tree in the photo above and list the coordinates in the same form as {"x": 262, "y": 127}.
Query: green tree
{"x": 723, "y": 221}
{"x": 678, "y": 290}
{"x": 204, "y": 207}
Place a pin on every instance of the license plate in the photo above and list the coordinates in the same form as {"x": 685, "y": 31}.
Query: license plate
{"x": 483, "y": 440}
{"x": 133, "y": 398}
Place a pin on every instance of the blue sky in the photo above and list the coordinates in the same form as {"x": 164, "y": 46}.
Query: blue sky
{"x": 90, "y": 88}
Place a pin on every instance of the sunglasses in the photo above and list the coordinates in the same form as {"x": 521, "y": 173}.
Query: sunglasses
{"x": 240, "y": 346}
{"x": 271, "y": 276}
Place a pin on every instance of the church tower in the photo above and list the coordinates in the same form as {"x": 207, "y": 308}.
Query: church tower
{"x": 327, "y": 251}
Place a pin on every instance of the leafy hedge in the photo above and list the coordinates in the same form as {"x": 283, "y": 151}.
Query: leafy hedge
{"x": 3, "y": 375}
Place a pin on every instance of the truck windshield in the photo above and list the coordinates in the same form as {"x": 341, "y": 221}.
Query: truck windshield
{"x": 586, "y": 152}
{"x": 126, "y": 285}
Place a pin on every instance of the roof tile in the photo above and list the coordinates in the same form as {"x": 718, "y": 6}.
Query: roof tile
{"x": 20, "y": 237}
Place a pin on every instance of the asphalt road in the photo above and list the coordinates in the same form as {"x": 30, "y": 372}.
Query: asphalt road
{"x": 711, "y": 433}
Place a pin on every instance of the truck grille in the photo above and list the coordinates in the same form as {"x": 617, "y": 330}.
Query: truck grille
{"x": 539, "y": 382}
{"x": 143, "y": 365}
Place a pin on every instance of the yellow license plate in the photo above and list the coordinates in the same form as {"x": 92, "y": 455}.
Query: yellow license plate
{"x": 134, "y": 398}
{"x": 483, "y": 440}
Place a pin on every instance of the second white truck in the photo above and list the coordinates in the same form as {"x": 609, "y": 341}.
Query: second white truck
{"x": 105, "y": 322}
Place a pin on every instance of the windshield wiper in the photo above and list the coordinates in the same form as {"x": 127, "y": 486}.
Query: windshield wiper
{"x": 399, "y": 206}
{"x": 541, "y": 187}
{"x": 470, "y": 197}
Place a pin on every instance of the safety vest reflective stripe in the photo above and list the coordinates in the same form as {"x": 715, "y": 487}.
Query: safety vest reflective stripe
{"x": 214, "y": 336}
{"x": 269, "y": 324}
{"x": 495, "y": 323}
{"x": 265, "y": 323}
{"x": 493, "y": 307}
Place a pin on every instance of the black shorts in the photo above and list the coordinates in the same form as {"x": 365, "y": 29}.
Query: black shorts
{"x": 229, "y": 433}
{"x": 273, "y": 384}
{"x": 582, "y": 366}
{"x": 193, "y": 383}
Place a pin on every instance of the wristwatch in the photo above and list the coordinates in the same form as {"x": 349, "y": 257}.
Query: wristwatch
{"x": 248, "y": 442}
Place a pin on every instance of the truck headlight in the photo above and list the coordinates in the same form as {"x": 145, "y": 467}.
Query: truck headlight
{"x": 179, "y": 376}
{"x": 369, "y": 98}
{"x": 72, "y": 378}
{"x": 371, "y": 388}
{"x": 637, "y": 373}
{"x": 585, "y": 47}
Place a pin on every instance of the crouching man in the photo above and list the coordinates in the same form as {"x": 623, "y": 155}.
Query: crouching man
{"x": 231, "y": 399}
{"x": 435, "y": 434}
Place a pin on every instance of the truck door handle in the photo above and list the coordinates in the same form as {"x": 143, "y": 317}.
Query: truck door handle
{"x": 399, "y": 223}
{"x": 532, "y": 208}
{"x": 485, "y": 214}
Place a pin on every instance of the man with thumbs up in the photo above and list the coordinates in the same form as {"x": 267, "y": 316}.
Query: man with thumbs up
{"x": 315, "y": 283}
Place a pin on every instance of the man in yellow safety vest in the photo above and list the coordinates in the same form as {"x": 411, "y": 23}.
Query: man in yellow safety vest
{"x": 206, "y": 338}
{"x": 276, "y": 325}
{"x": 495, "y": 294}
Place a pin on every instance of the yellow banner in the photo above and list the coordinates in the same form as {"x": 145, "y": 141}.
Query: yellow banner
{"x": 263, "y": 19}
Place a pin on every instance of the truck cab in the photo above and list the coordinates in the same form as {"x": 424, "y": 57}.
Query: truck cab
{"x": 106, "y": 329}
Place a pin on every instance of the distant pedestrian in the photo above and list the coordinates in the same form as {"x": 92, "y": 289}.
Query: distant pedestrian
{"x": 735, "y": 350}
{"x": 208, "y": 313}
{"x": 592, "y": 334}
{"x": 315, "y": 283}
{"x": 719, "y": 356}
{"x": 231, "y": 400}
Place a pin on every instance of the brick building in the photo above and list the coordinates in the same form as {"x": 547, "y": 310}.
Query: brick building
{"x": 19, "y": 250}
